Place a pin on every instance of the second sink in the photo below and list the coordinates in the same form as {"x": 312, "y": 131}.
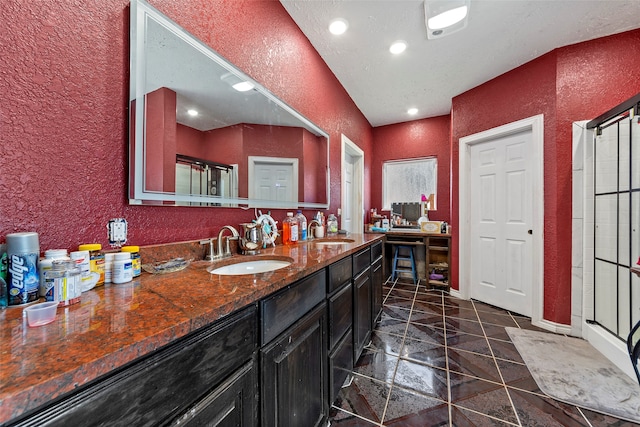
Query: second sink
{"x": 332, "y": 242}
{"x": 254, "y": 266}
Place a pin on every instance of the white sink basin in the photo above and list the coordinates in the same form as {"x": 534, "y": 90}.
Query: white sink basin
{"x": 250, "y": 267}
{"x": 332, "y": 242}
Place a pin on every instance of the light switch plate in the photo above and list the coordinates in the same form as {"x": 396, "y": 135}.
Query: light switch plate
{"x": 117, "y": 230}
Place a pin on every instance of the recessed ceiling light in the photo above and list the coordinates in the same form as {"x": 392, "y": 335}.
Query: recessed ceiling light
{"x": 398, "y": 47}
{"x": 192, "y": 113}
{"x": 412, "y": 111}
{"x": 338, "y": 26}
{"x": 243, "y": 86}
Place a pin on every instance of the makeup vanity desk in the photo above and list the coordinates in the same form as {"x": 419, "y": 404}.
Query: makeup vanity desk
{"x": 432, "y": 253}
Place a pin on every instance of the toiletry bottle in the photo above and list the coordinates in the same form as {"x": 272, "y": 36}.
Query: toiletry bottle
{"x": 293, "y": 228}
{"x": 302, "y": 225}
{"x": 286, "y": 229}
{"x": 332, "y": 225}
{"x": 23, "y": 253}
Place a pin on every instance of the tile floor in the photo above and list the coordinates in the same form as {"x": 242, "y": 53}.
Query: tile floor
{"x": 435, "y": 360}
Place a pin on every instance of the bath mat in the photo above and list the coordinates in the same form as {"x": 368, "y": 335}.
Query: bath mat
{"x": 572, "y": 371}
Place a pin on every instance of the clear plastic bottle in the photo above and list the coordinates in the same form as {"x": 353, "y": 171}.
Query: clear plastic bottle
{"x": 290, "y": 230}
{"x": 45, "y": 264}
{"x": 302, "y": 225}
{"x": 332, "y": 225}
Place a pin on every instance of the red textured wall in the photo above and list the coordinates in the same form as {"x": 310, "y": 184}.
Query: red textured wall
{"x": 419, "y": 138}
{"x": 63, "y": 119}
{"x": 573, "y": 83}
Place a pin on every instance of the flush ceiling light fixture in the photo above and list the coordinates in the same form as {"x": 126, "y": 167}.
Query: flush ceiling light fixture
{"x": 338, "y": 26}
{"x": 236, "y": 82}
{"x": 398, "y": 47}
{"x": 444, "y": 17}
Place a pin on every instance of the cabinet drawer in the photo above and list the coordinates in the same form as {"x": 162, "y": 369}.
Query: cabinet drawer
{"x": 361, "y": 260}
{"x": 163, "y": 385}
{"x": 340, "y": 314}
{"x": 282, "y": 309}
{"x": 339, "y": 273}
{"x": 376, "y": 251}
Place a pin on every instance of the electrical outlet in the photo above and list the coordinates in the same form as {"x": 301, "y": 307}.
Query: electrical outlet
{"x": 117, "y": 230}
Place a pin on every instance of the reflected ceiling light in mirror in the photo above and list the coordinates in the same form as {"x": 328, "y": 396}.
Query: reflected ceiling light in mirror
{"x": 398, "y": 47}
{"x": 192, "y": 112}
{"x": 236, "y": 82}
{"x": 338, "y": 26}
{"x": 444, "y": 17}
{"x": 412, "y": 111}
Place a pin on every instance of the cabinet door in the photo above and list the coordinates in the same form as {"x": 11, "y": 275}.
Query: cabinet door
{"x": 340, "y": 365}
{"x": 340, "y": 314}
{"x": 294, "y": 374}
{"x": 361, "y": 312}
{"x": 232, "y": 404}
{"x": 377, "y": 279}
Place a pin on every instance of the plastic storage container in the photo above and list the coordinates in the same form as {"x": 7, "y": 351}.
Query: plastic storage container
{"x": 96, "y": 259}
{"x": 108, "y": 266}
{"x": 302, "y": 225}
{"x": 135, "y": 258}
{"x": 45, "y": 263}
{"x": 62, "y": 282}
{"x": 122, "y": 270}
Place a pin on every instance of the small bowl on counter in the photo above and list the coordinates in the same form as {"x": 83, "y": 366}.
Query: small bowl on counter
{"x": 41, "y": 314}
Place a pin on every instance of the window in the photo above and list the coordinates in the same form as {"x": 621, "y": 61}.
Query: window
{"x": 407, "y": 180}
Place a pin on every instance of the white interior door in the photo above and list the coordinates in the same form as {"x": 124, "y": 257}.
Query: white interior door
{"x": 347, "y": 207}
{"x": 501, "y": 223}
{"x": 352, "y": 188}
{"x": 273, "y": 179}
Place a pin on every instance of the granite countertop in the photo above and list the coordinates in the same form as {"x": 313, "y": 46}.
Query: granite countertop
{"x": 116, "y": 324}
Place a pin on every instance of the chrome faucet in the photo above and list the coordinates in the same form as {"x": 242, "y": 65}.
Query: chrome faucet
{"x": 235, "y": 236}
{"x": 309, "y": 231}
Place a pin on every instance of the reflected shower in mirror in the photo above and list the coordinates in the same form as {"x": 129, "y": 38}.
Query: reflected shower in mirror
{"x": 203, "y": 133}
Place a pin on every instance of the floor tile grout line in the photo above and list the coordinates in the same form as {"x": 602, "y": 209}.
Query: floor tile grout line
{"x": 584, "y": 416}
{"x": 485, "y": 415}
{"x": 395, "y": 370}
{"x": 506, "y": 389}
{"x": 446, "y": 361}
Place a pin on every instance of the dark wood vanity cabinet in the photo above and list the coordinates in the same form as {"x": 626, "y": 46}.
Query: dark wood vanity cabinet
{"x": 293, "y": 357}
{"x": 278, "y": 362}
{"x": 361, "y": 301}
{"x": 377, "y": 280}
{"x": 191, "y": 380}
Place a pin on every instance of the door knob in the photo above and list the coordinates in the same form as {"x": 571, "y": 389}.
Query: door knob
{"x": 530, "y": 231}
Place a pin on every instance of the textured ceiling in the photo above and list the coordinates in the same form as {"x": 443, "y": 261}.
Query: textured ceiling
{"x": 500, "y": 36}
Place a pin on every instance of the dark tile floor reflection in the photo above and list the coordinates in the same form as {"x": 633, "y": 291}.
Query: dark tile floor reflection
{"x": 435, "y": 360}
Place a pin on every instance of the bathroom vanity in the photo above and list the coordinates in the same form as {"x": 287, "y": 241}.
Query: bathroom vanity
{"x": 268, "y": 349}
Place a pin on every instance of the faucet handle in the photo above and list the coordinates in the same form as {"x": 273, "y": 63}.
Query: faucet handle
{"x": 212, "y": 252}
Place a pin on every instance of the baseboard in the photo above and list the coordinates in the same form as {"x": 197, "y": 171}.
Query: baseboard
{"x": 455, "y": 293}
{"x": 612, "y": 348}
{"x": 556, "y": 328}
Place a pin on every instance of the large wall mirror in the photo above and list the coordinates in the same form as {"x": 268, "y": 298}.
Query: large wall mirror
{"x": 203, "y": 133}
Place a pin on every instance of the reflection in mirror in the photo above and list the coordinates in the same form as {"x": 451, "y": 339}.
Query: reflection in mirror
{"x": 205, "y": 134}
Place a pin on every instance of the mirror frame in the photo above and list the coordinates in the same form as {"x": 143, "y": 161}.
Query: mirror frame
{"x": 141, "y": 11}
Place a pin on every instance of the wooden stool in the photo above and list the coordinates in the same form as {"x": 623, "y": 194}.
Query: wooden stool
{"x": 397, "y": 256}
